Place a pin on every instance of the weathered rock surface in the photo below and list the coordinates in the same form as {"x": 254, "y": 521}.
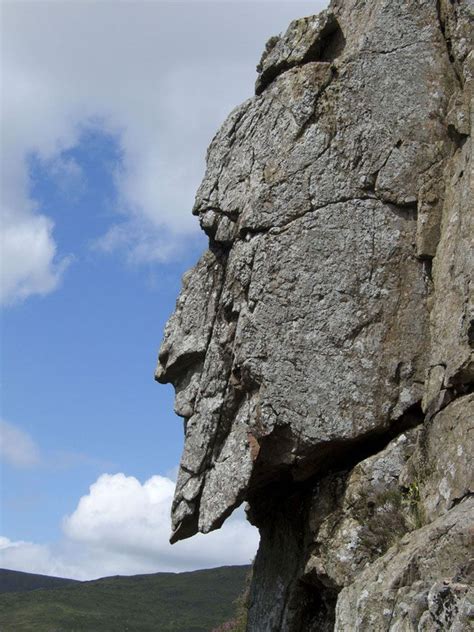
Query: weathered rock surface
{"x": 442, "y": 464}
{"x": 322, "y": 348}
{"x": 423, "y": 584}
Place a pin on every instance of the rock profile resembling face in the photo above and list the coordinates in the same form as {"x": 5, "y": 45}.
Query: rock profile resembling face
{"x": 302, "y": 330}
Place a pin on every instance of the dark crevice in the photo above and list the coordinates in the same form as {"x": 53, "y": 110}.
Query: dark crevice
{"x": 427, "y": 262}
{"x": 318, "y": 611}
{"x": 277, "y": 566}
{"x": 280, "y": 595}
{"x": 182, "y": 364}
{"x": 333, "y": 456}
{"x": 280, "y": 509}
{"x": 221, "y": 251}
{"x": 457, "y": 138}
{"x": 327, "y": 46}
{"x": 408, "y": 210}
{"x": 463, "y": 386}
{"x": 459, "y": 499}
{"x": 447, "y": 40}
{"x": 470, "y": 333}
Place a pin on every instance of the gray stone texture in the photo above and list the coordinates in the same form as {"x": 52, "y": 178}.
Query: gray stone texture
{"x": 424, "y": 584}
{"x": 322, "y": 348}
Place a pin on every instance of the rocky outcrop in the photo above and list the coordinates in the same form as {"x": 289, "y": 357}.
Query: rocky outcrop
{"x": 322, "y": 348}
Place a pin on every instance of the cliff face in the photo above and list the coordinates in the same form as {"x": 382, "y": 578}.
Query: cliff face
{"x": 322, "y": 348}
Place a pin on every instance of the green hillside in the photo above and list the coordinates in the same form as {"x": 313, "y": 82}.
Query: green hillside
{"x": 16, "y": 581}
{"x": 163, "y": 602}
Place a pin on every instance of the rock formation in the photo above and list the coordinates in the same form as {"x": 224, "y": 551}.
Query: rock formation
{"x": 322, "y": 347}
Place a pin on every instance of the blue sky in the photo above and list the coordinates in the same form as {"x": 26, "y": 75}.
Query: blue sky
{"x": 78, "y": 364}
{"x": 105, "y": 123}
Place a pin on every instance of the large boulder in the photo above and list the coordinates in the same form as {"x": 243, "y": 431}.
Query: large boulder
{"x": 333, "y": 312}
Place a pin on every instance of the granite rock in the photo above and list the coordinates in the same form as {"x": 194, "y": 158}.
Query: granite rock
{"x": 322, "y": 348}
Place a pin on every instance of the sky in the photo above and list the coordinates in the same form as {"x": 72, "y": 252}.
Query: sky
{"x": 106, "y": 112}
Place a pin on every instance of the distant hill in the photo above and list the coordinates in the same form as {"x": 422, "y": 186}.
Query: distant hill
{"x": 163, "y": 602}
{"x": 16, "y": 581}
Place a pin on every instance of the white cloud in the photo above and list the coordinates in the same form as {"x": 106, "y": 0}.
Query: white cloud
{"x": 17, "y": 447}
{"x": 122, "y": 527}
{"x": 29, "y": 264}
{"x": 122, "y": 516}
{"x": 158, "y": 76}
{"x": 34, "y": 558}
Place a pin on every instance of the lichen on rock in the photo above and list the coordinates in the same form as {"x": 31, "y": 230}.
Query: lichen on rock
{"x": 322, "y": 348}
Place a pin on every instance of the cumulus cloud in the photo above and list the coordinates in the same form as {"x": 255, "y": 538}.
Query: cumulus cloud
{"x": 122, "y": 516}
{"x": 17, "y": 447}
{"x": 160, "y": 82}
{"x": 29, "y": 263}
{"x": 122, "y": 527}
{"x": 34, "y": 558}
